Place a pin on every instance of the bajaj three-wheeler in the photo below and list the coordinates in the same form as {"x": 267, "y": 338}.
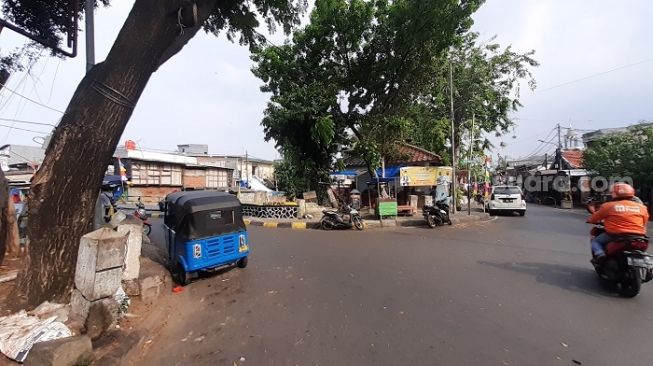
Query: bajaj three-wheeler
{"x": 204, "y": 230}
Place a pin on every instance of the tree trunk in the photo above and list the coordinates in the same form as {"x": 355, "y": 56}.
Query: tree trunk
{"x": 12, "y": 237}
{"x": 64, "y": 190}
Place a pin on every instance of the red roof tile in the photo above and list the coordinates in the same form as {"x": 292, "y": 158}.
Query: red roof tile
{"x": 574, "y": 158}
{"x": 412, "y": 154}
{"x": 416, "y": 154}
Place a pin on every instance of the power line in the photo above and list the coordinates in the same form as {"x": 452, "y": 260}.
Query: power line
{"x": 595, "y": 75}
{"x": 23, "y": 129}
{"x": 31, "y": 100}
{"x": 27, "y": 122}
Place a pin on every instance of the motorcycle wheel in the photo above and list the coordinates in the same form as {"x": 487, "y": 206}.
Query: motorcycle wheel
{"x": 632, "y": 283}
{"x": 358, "y": 223}
{"x": 326, "y": 224}
{"x": 430, "y": 221}
{"x": 147, "y": 229}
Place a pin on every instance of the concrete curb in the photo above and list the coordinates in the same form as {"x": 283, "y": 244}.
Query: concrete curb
{"x": 298, "y": 225}
{"x": 369, "y": 224}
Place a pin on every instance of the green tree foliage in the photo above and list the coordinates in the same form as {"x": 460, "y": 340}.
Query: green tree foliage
{"x": 359, "y": 63}
{"x": 487, "y": 81}
{"x": 625, "y": 154}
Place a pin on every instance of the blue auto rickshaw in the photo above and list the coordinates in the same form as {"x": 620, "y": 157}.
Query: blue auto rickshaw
{"x": 204, "y": 230}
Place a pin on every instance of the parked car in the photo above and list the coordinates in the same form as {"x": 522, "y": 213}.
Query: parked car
{"x": 506, "y": 199}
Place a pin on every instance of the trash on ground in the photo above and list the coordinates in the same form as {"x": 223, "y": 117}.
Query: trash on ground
{"x": 20, "y": 331}
{"x": 177, "y": 289}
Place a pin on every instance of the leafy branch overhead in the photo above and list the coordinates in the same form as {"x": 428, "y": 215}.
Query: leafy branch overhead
{"x": 380, "y": 71}
{"x": 359, "y": 63}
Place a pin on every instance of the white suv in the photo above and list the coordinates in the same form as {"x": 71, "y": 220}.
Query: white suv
{"x": 506, "y": 199}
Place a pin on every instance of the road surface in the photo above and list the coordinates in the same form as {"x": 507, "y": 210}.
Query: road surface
{"x": 515, "y": 291}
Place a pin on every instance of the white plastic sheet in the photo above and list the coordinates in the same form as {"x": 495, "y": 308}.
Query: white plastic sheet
{"x": 20, "y": 331}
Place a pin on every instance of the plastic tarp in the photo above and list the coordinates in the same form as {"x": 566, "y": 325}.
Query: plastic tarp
{"x": 390, "y": 171}
{"x": 255, "y": 184}
{"x": 20, "y": 331}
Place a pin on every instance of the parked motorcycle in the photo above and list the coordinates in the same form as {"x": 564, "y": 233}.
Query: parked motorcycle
{"x": 437, "y": 215}
{"x": 345, "y": 219}
{"x": 626, "y": 264}
{"x": 141, "y": 213}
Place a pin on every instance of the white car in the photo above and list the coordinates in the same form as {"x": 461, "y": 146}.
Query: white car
{"x": 506, "y": 199}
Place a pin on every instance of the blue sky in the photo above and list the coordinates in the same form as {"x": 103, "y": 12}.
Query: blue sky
{"x": 207, "y": 94}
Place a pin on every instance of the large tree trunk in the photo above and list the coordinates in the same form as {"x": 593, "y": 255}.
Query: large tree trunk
{"x": 64, "y": 189}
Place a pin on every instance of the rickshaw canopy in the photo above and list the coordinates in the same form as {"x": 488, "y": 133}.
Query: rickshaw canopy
{"x": 198, "y": 214}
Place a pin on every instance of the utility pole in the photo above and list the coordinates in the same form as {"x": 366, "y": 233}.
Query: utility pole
{"x": 453, "y": 143}
{"x": 559, "y": 149}
{"x": 90, "y": 34}
{"x": 469, "y": 167}
{"x": 246, "y": 167}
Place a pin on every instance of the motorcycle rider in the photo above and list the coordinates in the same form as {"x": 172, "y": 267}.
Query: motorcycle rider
{"x": 621, "y": 216}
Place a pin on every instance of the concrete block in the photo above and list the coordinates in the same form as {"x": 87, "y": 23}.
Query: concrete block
{"x": 151, "y": 287}
{"x": 153, "y": 280}
{"x": 98, "y": 285}
{"x": 131, "y": 287}
{"x": 101, "y": 316}
{"x": 117, "y": 218}
{"x": 133, "y": 228}
{"x": 61, "y": 352}
{"x": 301, "y": 208}
{"x": 99, "y": 263}
{"x": 79, "y": 306}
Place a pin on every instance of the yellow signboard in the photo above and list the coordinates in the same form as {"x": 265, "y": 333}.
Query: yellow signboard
{"x": 424, "y": 176}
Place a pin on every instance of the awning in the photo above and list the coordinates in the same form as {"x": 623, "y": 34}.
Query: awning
{"x": 390, "y": 171}
{"x": 345, "y": 173}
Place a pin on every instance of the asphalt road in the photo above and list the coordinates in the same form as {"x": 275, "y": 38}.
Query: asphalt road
{"x": 515, "y": 291}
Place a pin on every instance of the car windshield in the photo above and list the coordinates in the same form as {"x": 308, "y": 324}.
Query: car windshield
{"x": 506, "y": 190}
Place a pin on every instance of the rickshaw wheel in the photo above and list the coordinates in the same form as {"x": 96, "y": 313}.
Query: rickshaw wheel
{"x": 181, "y": 276}
{"x": 242, "y": 263}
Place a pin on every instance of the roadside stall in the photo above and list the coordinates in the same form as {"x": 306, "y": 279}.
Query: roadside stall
{"x": 419, "y": 184}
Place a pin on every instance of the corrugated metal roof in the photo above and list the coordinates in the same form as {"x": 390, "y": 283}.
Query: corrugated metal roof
{"x": 24, "y": 154}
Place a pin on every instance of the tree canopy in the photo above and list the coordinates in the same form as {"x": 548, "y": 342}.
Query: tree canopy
{"x": 625, "y": 154}
{"x": 379, "y": 72}
{"x": 353, "y": 70}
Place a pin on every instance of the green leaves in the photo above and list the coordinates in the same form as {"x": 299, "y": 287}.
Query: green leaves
{"x": 323, "y": 131}
{"x": 625, "y": 154}
{"x": 357, "y": 68}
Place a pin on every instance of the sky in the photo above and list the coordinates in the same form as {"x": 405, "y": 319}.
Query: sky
{"x": 206, "y": 94}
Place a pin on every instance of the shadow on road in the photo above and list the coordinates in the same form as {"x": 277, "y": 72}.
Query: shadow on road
{"x": 583, "y": 280}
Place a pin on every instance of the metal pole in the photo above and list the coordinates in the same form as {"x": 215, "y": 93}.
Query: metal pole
{"x": 469, "y": 167}
{"x": 90, "y": 34}
{"x": 453, "y": 143}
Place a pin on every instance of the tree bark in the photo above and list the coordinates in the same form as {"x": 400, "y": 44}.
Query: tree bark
{"x": 64, "y": 190}
{"x": 12, "y": 237}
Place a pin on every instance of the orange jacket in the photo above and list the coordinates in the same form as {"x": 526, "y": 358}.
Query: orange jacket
{"x": 622, "y": 217}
